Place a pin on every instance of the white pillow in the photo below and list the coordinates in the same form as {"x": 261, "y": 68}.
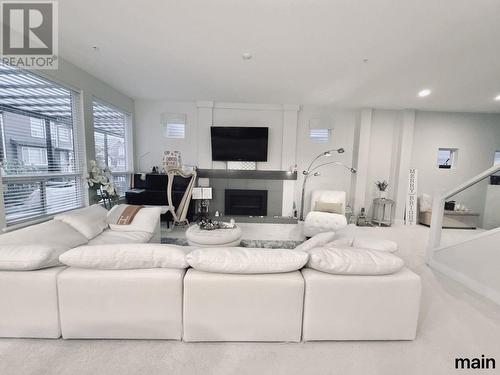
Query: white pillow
{"x": 365, "y": 242}
{"x": 146, "y": 220}
{"x": 89, "y": 221}
{"x": 353, "y": 261}
{"x": 316, "y": 241}
{"x": 246, "y": 260}
{"x": 347, "y": 231}
{"x": 125, "y": 256}
{"x": 341, "y": 242}
{"x": 28, "y": 257}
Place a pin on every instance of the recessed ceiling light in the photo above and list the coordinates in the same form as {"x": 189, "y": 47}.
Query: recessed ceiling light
{"x": 423, "y": 93}
{"x": 246, "y": 56}
{"x": 497, "y": 98}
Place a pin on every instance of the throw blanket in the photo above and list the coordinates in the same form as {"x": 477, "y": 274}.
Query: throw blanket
{"x": 128, "y": 215}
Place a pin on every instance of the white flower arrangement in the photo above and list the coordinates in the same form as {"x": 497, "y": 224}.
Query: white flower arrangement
{"x": 100, "y": 178}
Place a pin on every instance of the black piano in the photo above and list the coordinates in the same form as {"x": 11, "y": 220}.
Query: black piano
{"x": 152, "y": 191}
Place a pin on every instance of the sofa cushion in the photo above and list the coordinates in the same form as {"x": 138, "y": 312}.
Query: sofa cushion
{"x": 90, "y": 221}
{"x": 28, "y": 257}
{"x": 246, "y": 260}
{"x": 354, "y": 261}
{"x": 109, "y": 237}
{"x": 372, "y": 243}
{"x": 53, "y": 233}
{"x": 125, "y": 257}
{"x": 316, "y": 241}
{"x": 146, "y": 220}
{"x": 334, "y": 208}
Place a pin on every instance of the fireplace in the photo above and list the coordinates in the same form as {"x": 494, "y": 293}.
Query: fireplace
{"x": 245, "y": 202}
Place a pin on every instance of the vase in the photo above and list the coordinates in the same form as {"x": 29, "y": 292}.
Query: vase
{"x": 382, "y": 194}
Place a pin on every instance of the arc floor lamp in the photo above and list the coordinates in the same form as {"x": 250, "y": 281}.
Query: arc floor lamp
{"x": 312, "y": 171}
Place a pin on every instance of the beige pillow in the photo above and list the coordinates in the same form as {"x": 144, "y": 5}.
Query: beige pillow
{"x": 334, "y": 208}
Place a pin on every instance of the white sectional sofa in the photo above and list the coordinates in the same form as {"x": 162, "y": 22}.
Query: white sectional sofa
{"x": 28, "y": 291}
{"x": 127, "y": 290}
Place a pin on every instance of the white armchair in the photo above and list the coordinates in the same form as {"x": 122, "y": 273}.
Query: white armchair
{"x": 319, "y": 222}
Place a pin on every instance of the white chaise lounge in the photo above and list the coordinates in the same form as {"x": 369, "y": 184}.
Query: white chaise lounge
{"x": 319, "y": 222}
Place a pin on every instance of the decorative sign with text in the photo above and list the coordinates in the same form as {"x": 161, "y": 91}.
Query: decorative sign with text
{"x": 411, "y": 199}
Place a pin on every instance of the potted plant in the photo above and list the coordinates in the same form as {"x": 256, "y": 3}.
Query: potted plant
{"x": 100, "y": 183}
{"x": 382, "y": 188}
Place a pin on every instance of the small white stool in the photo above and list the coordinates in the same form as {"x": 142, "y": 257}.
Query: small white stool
{"x": 213, "y": 238}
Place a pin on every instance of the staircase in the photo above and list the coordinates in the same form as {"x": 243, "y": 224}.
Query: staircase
{"x": 474, "y": 261}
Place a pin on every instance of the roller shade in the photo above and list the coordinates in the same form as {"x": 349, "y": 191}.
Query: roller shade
{"x": 42, "y": 158}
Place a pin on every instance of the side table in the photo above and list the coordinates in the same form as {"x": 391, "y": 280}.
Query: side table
{"x": 382, "y": 211}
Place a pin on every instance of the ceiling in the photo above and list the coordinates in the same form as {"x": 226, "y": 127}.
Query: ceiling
{"x": 304, "y": 51}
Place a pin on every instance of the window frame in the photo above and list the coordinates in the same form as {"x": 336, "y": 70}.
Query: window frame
{"x": 50, "y": 177}
{"x": 452, "y": 159}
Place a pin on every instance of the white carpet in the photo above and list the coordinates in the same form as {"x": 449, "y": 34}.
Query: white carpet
{"x": 453, "y": 322}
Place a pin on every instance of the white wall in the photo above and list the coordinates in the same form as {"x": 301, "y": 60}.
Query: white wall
{"x": 476, "y": 136}
{"x": 149, "y": 138}
{"x": 333, "y": 177}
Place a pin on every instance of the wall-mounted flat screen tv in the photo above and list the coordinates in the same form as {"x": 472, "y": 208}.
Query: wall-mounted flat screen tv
{"x": 231, "y": 143}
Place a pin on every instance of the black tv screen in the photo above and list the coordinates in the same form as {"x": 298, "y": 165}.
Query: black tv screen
{"x": 231, "y": 143}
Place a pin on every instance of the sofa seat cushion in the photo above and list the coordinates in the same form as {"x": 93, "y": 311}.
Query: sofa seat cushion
{"x": 354, "y": 261}
{"x": 60, "y": 236}
{"x": 145, "y": 220}
{"x": 27, "y": 257}
{"x": 125, "y": 256}
{"x": 246, "y": 260}
{"x": 372, "y": 243}
{"x": 113, "y": 237}
{"x": 89, "y": 221}
{"x": 319, "y": 222}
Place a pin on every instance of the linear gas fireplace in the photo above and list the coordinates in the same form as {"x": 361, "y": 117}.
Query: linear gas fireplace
{"x": 245, "y": 202}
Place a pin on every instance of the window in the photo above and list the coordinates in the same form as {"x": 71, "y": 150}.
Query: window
{"x": 174, "y": 125}
{"x": 497, "y": 158}
{"x": 110, "y": 141}
{"x": 41, "y": 175}
{"x": 37, "y": 127}
{"x": 319, "y": 135}
{"x": 34, "y": 156}
{"x": 446, "y": 158}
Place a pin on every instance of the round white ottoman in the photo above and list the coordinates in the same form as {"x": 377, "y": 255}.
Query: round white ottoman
{"x": 213, "y": 238}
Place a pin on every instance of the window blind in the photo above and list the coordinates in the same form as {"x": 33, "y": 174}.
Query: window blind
{"x": 41, "y": 153}
{"x": 110, "y": 139}
{"x": 319, "y": 135}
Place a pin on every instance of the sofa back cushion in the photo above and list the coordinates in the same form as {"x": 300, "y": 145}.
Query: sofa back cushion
{"x": 145, "y": 220}
{"x": 317, "y": 240}
{"x": 246, "y": 260}
{"x": 354, "y": 261}
{"x": 125, "y": 256}
{"x": 28, "y": 257}
{"x": 89, "y": 221}
{"x": 57, "y": 234}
